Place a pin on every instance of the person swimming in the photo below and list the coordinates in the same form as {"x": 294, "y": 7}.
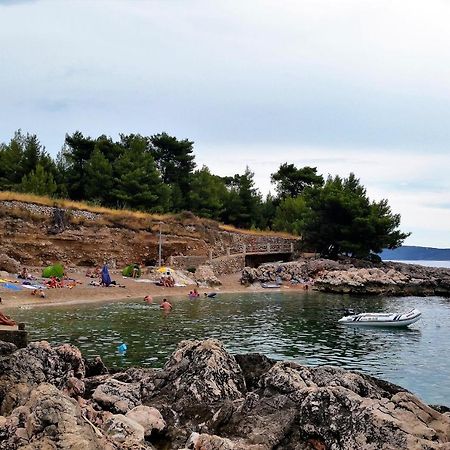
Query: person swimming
{"x": 165, "y": 305}
{"x": 148, "y": 299}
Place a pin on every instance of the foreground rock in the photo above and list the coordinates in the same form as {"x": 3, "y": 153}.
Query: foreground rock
{"x": 356, "y": 277}
{"x": 205, "y": 398}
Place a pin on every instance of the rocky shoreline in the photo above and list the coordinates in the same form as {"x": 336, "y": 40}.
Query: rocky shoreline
{"x": 204, "y": 398}
{"x": 358, "y": 277}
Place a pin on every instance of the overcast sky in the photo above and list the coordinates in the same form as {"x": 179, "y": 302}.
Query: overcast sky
{"x": 348, "y": 85}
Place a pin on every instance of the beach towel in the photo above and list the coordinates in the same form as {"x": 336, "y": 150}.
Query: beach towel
{"x": 13, "y": 287}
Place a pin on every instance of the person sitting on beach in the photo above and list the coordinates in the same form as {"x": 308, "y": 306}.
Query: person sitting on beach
{"x": 165, "y": 305}
{"x": 41, "y": 293}
{"x": 24, "y": 274}
{"x": 5, "y": 320}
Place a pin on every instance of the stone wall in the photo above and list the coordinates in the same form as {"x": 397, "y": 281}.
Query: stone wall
{"x": 41, "y": 210}
{"x": 228, "y": 264}
{"x": 186, "y": 262}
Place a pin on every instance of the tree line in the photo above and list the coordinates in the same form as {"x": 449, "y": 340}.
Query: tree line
{"x": 158, "y": 173}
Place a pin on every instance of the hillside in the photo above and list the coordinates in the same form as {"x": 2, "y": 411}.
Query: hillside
{"x": 38, "y": 231}
{"x": 411, "y": 253}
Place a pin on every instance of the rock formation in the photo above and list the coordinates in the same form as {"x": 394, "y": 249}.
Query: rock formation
{"x": 205, "y": 398}
{"x": 356, "y": 277}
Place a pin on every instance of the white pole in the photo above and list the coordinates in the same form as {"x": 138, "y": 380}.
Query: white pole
{"x": 160, "y": 244}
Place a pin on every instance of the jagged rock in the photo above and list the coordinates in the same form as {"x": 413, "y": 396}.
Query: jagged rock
{"x": 243, "y": 403}
{"x": 150, "y": 419}
{"x": 9, "y": 264}
{"x": 352, "y": 276}
{"x": 48, "y": 420}
{"x": 204, "y": 441}
{"x": 117, "y": 396}
{"x": 37, "y": 363}
{"x": 202, "y": 372}
{"x": 123, "y": 429}
{"x": 336, "y": 409}
{"x": 6, "y": 348}
{"x": 95, "y": 367}
{"x": 253, "y": 366}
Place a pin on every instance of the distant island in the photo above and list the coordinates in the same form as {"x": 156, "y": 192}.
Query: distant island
{"x": 410, "y": 253}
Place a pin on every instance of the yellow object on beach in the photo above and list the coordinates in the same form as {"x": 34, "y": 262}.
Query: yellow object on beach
{"x": 164, "y": 269}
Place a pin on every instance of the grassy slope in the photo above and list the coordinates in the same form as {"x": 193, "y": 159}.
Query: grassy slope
{"x": 122, "y": 213}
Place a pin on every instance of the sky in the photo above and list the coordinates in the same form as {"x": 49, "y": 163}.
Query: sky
{"x": 349, "y": 86}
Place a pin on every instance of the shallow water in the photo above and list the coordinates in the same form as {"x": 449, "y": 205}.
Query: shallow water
{"x": 299, "y": 326}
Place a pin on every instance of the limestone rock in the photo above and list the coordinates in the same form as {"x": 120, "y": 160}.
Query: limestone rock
{"x": 6, "y": 348}
{"x": 37, "y": 363}
{"x": 117, "y": 396}
{"x": 48, "y": 417}
{"x": 204, "y": 274}
{"x": 9, "y": 264}
{"x": 204, "y": 373}
{"x": 150, "y": 419}
{"x": 123, "y": 429}
{"x": 208, "y": 442}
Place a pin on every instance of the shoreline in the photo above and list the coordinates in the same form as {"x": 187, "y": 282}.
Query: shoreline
{"x": 84, "y": 294}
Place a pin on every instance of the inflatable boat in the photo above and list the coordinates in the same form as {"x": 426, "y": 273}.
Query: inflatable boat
{"x": 382, "y": 319}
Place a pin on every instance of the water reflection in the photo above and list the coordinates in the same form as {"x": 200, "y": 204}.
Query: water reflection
{"x": 300, "y": 327}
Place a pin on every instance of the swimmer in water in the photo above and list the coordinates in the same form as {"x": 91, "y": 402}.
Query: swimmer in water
{"x": 148, "y": 299}
{"x": 165, "y": 305}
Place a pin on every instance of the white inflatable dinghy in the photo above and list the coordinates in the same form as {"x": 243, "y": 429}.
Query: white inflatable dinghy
{"x": 382, "y": 319}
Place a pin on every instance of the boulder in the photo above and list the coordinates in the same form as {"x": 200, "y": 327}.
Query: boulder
{"x": 205, "y": 441}
{"x": 150, "y": 418}
{"x": 204, "y": 274}
{"x": 117, "y": 396}
{"x": 122, "y": 429}
{"x": 326, "y": 407}
{"x": 9, "y": 264}
{"x": 6, "y": 348}
{"x": 37, "y": 363}
{"x": 48, "y": 420}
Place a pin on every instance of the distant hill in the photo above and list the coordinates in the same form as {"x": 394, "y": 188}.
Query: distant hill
{"x": 409, "y": 253}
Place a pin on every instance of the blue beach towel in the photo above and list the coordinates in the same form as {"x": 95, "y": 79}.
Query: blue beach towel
{"x": 11, "y": 286}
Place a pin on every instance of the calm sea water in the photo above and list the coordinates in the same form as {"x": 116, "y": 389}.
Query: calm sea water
{"x": 445, "y": 264}
{"x": 296, "y": 326}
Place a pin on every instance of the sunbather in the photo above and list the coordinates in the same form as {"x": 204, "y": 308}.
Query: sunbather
{"x": 5, "y": 320}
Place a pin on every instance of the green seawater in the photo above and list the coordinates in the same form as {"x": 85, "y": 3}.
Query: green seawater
{"x": 300, "y": 326}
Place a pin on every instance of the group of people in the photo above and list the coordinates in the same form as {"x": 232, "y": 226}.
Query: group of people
{"x": 38, "y": 293}
{"x": 164, "y": 305}
{"x": 167, "y": 281}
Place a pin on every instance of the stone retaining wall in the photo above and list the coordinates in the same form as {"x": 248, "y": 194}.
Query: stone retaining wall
{"x": 228, "y": 264}
{"x": 186, "y": 262}
{"x": 42, "y": 210}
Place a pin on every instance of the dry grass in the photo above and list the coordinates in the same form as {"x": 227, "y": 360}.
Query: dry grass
{"x": 135, "y": 220}
{"x": 70, "y": 204}
{"x": 279, "y": 234}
